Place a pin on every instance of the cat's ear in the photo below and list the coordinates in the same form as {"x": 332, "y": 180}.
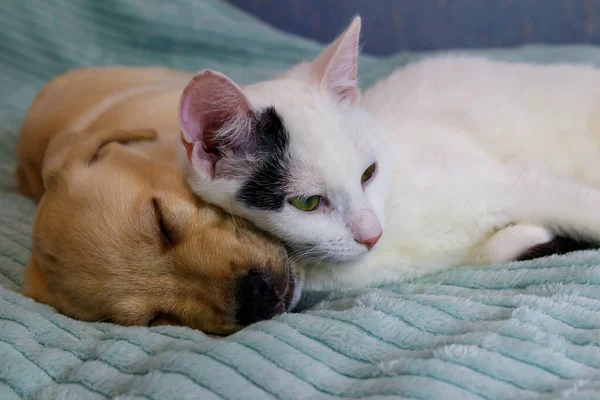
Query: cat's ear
{"x": 215, "y": 119}
{"x": 336, "y": 67}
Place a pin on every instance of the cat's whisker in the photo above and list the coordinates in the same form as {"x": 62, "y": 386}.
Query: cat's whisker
{"x": 302, "y": 251}
{"x": 305, "y": 256}
{"x": 311, "y": 254}
{"x": 235, "y": 217}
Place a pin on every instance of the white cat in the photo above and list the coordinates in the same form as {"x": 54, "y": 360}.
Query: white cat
{"x": 457, "y": 160}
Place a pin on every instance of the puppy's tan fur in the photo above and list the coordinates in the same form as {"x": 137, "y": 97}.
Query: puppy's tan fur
{"x": 117, "y": 234}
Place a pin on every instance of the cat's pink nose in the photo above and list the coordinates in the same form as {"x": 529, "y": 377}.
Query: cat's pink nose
{"x": 370, "y": 241}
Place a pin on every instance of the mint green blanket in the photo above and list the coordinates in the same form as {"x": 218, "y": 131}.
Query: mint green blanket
{"x": 518, "y": 331}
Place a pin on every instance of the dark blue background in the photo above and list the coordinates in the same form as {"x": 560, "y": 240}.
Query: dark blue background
{"x": 398, "y": 25}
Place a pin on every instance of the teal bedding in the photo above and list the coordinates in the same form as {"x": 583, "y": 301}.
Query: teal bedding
{"x": 518, "y": 331}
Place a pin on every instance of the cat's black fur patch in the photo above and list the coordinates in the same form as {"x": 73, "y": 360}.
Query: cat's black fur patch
{"x": 558, "y": 245}
{"x": 265, "y": 188}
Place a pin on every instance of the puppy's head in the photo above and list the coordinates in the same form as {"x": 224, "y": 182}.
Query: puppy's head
{"x": 118, "y": 237}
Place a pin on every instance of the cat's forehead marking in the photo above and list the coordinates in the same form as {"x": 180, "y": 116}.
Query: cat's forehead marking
{"x": 265, "y": 187}
{"x": 324, "y": 153}
{"x": 319, "y": 134}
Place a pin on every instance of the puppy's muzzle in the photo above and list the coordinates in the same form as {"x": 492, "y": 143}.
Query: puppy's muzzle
{"x": 261, "y": 296}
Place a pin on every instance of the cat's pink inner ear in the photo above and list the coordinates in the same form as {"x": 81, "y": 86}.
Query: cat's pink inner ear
{"x": 215, "y": 119}
{"x": 336, "y": 67}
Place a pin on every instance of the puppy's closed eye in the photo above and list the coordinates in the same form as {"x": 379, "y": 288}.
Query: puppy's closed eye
{"x": 167, "y": 235}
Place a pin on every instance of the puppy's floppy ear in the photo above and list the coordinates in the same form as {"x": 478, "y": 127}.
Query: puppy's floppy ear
{"x": 79, "y": 149}
{"x": 35, "y": 286}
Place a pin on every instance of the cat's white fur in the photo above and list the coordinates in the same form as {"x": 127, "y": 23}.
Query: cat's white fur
{"x": 489, "y": 160}
{"x": 478, "y": 161}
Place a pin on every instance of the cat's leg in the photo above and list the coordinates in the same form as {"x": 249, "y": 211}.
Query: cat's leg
{"x": 522, "y": 242}
{"x": 564, "y": 206}
{"x": 511, "y": 243}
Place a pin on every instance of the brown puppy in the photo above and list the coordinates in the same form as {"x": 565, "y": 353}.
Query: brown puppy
{"x": 117, "y": 235}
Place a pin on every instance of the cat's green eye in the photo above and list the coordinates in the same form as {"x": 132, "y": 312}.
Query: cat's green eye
{"x": 305, "y": 203}
{"x": 368, "y": 173}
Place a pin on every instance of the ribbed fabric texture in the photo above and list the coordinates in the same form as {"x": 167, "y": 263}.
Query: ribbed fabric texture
{"x": 518, "y": 331}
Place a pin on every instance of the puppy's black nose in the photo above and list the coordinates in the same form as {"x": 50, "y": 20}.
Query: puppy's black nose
{"x": 257, "y": 298}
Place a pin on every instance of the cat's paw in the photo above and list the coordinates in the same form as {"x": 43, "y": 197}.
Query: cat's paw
{"x": 511, "y": 243}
